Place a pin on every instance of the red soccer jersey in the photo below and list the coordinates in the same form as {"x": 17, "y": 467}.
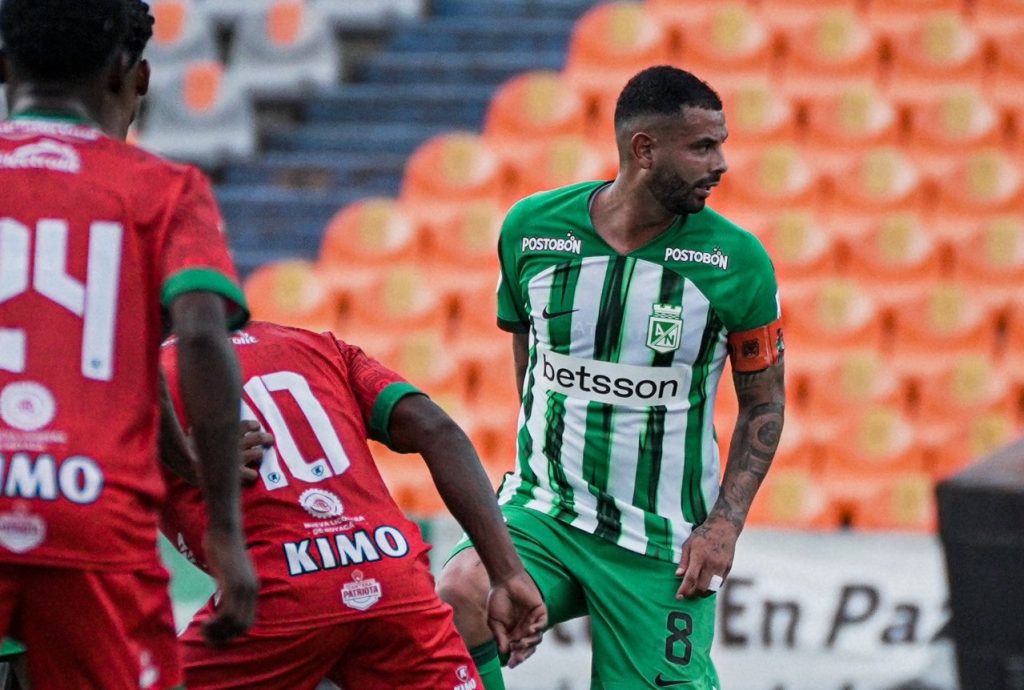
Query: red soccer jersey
{"x": 95, "y": 236}
{"x": 327, "y": 539}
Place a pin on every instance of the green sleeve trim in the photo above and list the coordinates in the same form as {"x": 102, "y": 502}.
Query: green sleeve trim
{"x": 384, "y": 405}
{"x": 10, "y": 647}
{"x": 208, "y": 280}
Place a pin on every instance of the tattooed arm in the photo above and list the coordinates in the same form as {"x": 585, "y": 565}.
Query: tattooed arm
{"x": 710, "y": 549}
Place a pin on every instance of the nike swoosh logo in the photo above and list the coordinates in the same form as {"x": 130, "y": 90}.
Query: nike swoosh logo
{"x": 553, "y": 314}
{"x": 663, "y": 683}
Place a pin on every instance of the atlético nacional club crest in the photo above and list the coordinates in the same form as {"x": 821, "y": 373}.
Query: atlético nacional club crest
{"x": 665, "y": 328}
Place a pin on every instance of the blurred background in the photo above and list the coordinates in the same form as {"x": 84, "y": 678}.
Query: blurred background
{"x": 364, "y": 152}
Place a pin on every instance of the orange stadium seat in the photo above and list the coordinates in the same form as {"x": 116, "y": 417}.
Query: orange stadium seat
{"x": 951, "y": 318}
{"x": 879, "y": 179}
{"x": 828, "y": 51}
{"x": 610, "y": 43}
{"x": 729, "y": 43}
{"x": 408, "y": 480}
{"x": 968, "y": 385}
{"x": 837, "y": 315}
{"x": 531, "y": 108}
{"x": 181, "y": 34}
{"x": 955, "y": 123}
{"x": 967, "y": 439}
{"x": 775, "y": 175}
{"x": 794, "y": 498}
{"x": 447, "y": 171}
{"x": 940, "y": 52}
{"x": 401, "y": 293}
{"x": 292, "y": 293}
{"x": 871, "y": 447}
{"x": 841, "y": 125}
{"x": 991, "y": 253}
{"x": 793, "y": 13}
{"x": 364, "y": 237}
{"x": 903, "y": 503}
{"x": 852, "y": 378}
{"x": 985, "y": 181}
{"x": 803, "y": 252}
{"x": 897, "y": 255}
{"x": 997, "y": 17}
{"x": 466, "y": 240}
{"x": 888, "y": 15}
{"x": 677, "y": 13}
{"x": 1007, "y": 79}
{"x": 563, "y": 160}
{"x": 756, "y": 113}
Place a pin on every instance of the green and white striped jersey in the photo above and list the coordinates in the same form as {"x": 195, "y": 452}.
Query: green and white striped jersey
{"x": 616, "y": 429}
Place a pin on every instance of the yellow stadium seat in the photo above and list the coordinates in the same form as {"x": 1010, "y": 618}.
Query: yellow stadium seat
{"x": 879, "y": 179}
{"x": 828, "y": 51}
{"x": 293, "y": 293}
{"x": 839, "y": 314}
{"x": 941, "y": 51}
{"x": 530, "y": 109}
{"x": 803, "y": 252}
{"x": 847, "y": 379}
{"x": 776, "y": 174}
{"x": 793, "y": 499}
{"x": 985, "y": 181}
{"x": 904, "y": 503}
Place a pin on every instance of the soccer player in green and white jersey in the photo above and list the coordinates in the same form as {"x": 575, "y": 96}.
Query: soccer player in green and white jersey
{"x": 624, "y": 299}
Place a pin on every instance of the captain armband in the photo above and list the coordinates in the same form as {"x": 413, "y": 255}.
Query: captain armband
{"x": 756, "y": 349}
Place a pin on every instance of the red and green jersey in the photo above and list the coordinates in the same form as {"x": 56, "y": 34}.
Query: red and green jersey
{"x": 327, "y": 539}
{"x": 96, "y": 239}
{"x": 626, "y": 353}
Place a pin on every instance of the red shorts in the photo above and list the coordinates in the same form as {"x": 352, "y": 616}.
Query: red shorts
{"x": 92, "y": 630}
{"x": 418, "y": 650}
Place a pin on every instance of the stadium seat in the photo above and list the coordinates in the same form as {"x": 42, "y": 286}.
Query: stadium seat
{"x": 675, "y": 13}
{"x": 804, "y": 253}
{"x": 284, "y": 51}
{"x": 984, "y": 181}
{"x": 952, "y": 125}
{"x": 182, "y": 33}
{"x": 950, "y": 319}
{"x": 400, "y": 293}
{"x": 872, "y": 446}
{"x": 465, "y": 240}
{"x": 775, "y": 175}
{"x": 968, "y": 438}
{"x": 897, "y": 256}
{"x": 842, "y": 125}
{"x": 879, "y": 179}
{"x": 904, "y": 503}
{"x": 561, "y": 161}
{"x": 940, "y": 51}
{"x": 756, "y": 113}
{"x": 201, "y": 116}
{"x": 363, "y": 238}
{"x": 966, "y": 386}
{"x": 991, "y": 253}
{"x": 448, "y": 171}
{"x": 730, "y": 43}
{"x": 408, "y": 480}
{"x": 1007, "y": 79}
{"x": 838, "y": 314}
{"x": 847, "y": 379}
{"x": 997, "y": 17}
{"x": 292, "y": 292}
{"x": 610, "y": 43}
{"x": 828, "y": 51}
{"x": 898, "y": 15}
{"x": 531, "y": 108}
{"x": 788, "y": 14}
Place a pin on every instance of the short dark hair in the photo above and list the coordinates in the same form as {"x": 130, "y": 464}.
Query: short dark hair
{"x": 663, "y": 90}
{"x": 64, "y": 40}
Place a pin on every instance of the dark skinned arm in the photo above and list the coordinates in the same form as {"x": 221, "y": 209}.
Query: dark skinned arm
{"x": 515, "y": 608}
{"x": 210, "y": 383}
{"x": 710, "y": 549}
{"x": 175, "y": 453}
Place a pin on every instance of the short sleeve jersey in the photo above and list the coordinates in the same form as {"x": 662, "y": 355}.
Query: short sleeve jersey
{"x": 96, "y": 239}
{"x": 616, "y": 429}
{"x": 327, "y": 539}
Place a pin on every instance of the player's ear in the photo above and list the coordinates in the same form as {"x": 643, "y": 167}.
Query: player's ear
{"x": 641, "y": 145}
{"x": 143, "y": 72}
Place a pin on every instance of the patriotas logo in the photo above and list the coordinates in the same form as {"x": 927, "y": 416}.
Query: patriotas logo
{"x": 466, "y": 679}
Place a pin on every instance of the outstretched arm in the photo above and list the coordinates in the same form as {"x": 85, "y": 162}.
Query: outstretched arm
{"x": 710, "y": 549}
{"x": 515, "y": 608}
